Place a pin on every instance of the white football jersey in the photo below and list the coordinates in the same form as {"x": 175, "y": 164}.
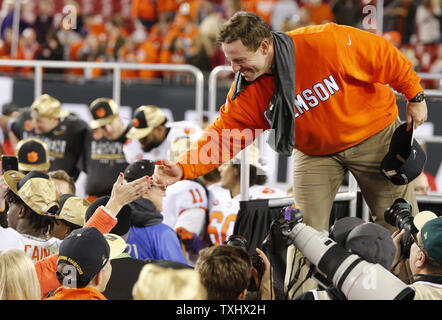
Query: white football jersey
{"x": 223, "y": 209}
{"x": 180, "y": 198}
{"x": 134, "y": 152}
{"x": 222, "y": 214}
{"x": 34, "y": 247}
{"x": 264, "y": 192}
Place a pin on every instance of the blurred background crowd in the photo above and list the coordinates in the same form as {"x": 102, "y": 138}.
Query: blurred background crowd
{"x": 184, "y": 31}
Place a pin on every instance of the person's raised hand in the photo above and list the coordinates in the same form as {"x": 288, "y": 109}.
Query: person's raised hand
{"x": 124, "y": 193}
{"x": 266, "y": 287}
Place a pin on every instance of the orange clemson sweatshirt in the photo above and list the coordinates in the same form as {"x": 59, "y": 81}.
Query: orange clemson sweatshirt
{"x": 341, "y": 97}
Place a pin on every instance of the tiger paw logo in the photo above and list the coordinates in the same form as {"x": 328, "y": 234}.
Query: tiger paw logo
{"x": 189, "y": 131}
{"x": 100, "y": 112}
{"x": 32, "y": 156}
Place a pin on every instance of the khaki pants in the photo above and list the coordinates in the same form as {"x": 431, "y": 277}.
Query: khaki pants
{"x": 318, "y": 178}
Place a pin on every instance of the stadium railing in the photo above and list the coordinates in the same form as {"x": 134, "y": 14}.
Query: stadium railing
{"x": 39, "y": 65}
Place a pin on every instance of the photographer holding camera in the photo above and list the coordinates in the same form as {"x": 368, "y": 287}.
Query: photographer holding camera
{"x": 226, "y": 271}
{"x": 260, "y": 283}
{"x": 425, "y": 254}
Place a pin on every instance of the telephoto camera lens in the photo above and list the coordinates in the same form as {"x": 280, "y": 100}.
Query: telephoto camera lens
{"x": 355, "y": 277}
{"x": 399, "y": 215}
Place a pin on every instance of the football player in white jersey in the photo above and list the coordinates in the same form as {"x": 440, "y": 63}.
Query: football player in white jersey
{"x": 224, "y": 196}
{"x": 151, "y": 134}
{"x": 185, "y": 206}
{"x": 32, "y": 199}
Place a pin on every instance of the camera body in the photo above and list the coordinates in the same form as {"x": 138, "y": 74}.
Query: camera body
{"x": 400, "y": 215}
{"x": 257, "y": 262}
{"x": 280, "y": 228}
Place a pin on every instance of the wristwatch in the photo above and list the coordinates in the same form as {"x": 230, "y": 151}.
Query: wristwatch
{"x": 419, "y": 97}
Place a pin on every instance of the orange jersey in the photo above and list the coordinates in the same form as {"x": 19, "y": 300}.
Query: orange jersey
{"x": 321, "y": 13}
{"x": 167, "y": 6}
{"x": 263, "y": 8}
{"x": 86, "y": 293}
{"x": 144, "y": 9}
{"x": 341, "y": 97}
{"x": 147, "y": 52}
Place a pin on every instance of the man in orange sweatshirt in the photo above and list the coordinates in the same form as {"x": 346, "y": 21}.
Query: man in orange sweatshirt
{"x": 344, "y": 111}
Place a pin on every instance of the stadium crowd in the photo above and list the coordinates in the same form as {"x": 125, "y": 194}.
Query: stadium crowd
{"x": 184, "y": 32}
{"x": 128, "y": 238}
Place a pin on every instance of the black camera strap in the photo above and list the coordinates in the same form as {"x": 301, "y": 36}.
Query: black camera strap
{"x": 296, "y": 276}
{"x": 301, "y": 263}
{"x": 433, "y": 278}
{"x": 393, "y": 268}
{"x": 309, "y": 274}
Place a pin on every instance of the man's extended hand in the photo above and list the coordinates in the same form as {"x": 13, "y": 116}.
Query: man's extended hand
{"x": 167, "y": 173}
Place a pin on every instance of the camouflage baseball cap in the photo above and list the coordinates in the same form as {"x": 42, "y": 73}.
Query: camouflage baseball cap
{"x": 145, "y": 119}
{"x": 36, "y": 189}
{"x": 72, "y": 209}
{"x": 48, "y": 106}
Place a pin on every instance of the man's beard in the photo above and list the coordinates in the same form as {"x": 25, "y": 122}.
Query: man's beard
{"x": 152, "y": 145}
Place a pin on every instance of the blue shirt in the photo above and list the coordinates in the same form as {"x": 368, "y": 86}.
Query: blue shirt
{"x": 158, "y": 242}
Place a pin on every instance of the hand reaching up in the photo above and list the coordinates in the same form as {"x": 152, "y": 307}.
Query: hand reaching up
{"x": 125, "y": 193}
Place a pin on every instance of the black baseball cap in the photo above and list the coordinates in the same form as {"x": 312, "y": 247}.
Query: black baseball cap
{"x": 123, "y": 224}
{"x": 405, "y": 159}
{"x": 139, "y": 169}
{"x": 103, "y": 112}
{"x": 88, "y": 250}
{"x": 32, "y": 154}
